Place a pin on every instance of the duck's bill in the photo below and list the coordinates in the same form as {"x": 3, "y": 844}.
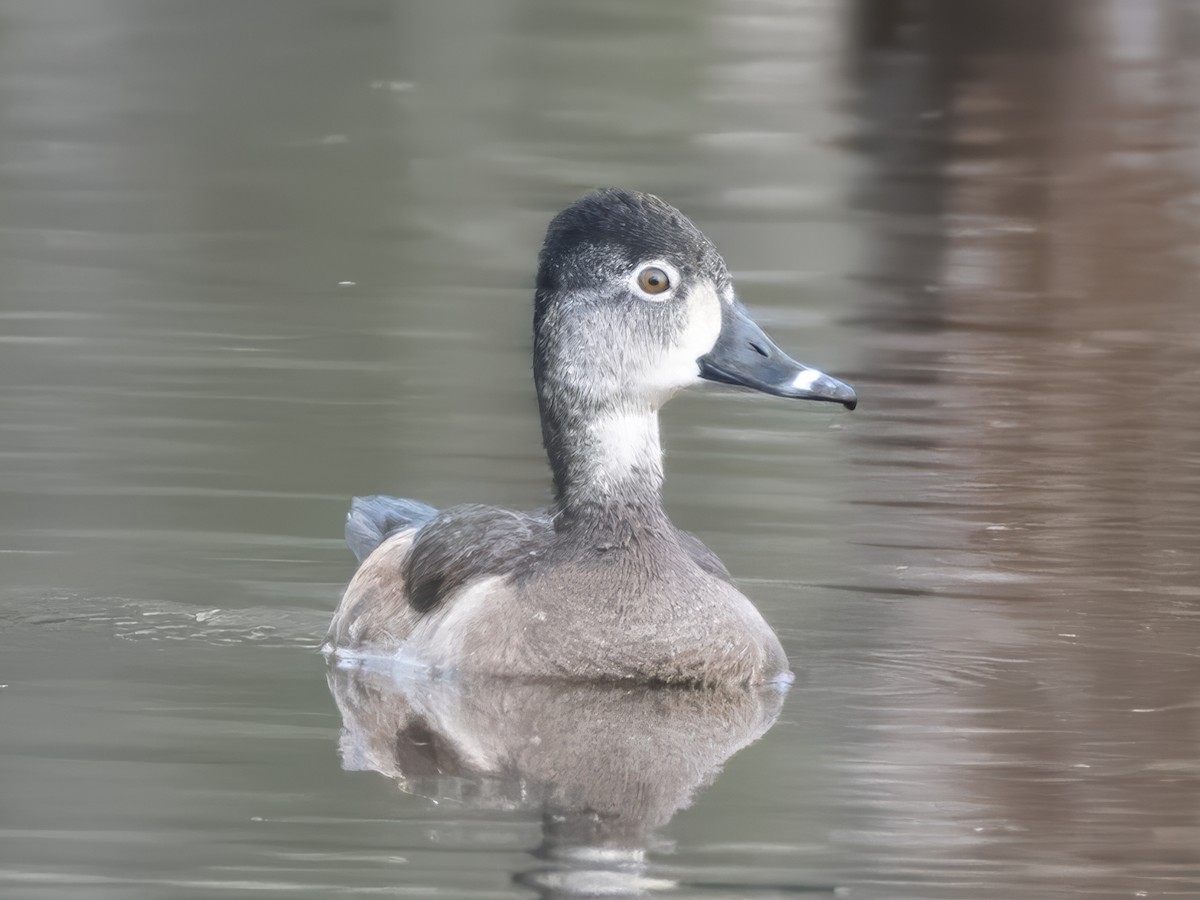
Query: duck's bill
{"x": 745, "y": 356}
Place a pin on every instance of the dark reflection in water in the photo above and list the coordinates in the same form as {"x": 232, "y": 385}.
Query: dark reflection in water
{"x": 1034, "y": 320}
{"x": 603, "y": 766}
{"x": 258, "y": 257}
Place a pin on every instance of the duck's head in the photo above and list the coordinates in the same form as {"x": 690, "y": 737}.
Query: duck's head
{"x": 633, "y": 303}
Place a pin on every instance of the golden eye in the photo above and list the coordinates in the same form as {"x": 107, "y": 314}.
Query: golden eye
{"x": 653, "y": 280}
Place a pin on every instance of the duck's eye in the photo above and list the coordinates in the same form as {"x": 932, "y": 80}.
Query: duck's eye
{"x": 653, "y": 280}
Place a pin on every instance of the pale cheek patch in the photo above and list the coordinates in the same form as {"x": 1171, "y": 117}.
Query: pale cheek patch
{"x": 678, "y": 366}
{"x": 806, "y": 379}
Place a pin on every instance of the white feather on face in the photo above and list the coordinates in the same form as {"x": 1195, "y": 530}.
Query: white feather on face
{"x": 676, "y": 366}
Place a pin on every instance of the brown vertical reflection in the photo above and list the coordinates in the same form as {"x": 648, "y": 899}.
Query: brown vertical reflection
{"x": 1034, "y": 462}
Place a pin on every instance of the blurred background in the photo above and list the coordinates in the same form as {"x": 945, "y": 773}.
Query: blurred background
{"x": 257, "y": 257}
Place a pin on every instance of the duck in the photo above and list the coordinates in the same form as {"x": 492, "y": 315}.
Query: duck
{"x": 632, "y": 303}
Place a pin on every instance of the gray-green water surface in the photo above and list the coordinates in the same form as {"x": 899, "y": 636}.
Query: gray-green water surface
{"x": 257, "y": 257}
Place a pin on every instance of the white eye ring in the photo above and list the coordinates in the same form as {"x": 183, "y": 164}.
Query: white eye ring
{"x": 671, "y": 273}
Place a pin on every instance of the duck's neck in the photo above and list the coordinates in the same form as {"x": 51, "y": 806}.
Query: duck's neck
{"x": 608, "y": 473}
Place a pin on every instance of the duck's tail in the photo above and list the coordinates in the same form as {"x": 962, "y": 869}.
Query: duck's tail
{"x": 372, "y": 520}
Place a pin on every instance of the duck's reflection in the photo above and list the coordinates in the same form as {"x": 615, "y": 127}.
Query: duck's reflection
{"x": 604, "y": 764}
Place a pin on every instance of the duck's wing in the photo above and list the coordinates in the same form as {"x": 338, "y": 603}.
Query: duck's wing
{"x": 465, "y": 543}
{"x": 417, "y": 560}
{"x": 372, "y": 520}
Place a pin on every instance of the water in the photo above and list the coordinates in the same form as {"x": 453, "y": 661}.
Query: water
{"x": 260, "y": 257}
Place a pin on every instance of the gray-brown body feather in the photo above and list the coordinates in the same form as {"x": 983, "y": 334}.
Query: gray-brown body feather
{"x": 489, "y": 590}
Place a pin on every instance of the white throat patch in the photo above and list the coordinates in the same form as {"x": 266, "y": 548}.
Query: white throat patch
{"x": 625, "y": 444}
